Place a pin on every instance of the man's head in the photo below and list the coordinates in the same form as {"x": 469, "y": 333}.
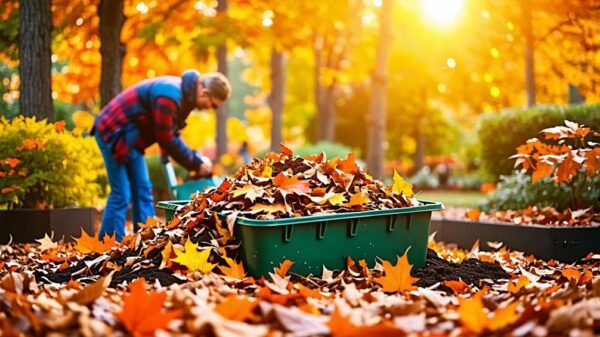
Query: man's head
{"x": 212, "y": 90}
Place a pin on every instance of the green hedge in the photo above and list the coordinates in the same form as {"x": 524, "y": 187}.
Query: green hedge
{"x": 501, "y": 134}
{"x": 517, "y": 192}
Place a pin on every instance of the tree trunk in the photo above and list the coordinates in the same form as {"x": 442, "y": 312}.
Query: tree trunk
{"x": 276, "y": 97}
{"x": 324, "y": 97}
{"x": 529, "y": 53}
{"x": 419, "y": 157}
{"x": 378, "y": 105}
{"x": 35, "y": 65}
{"x": 112, "y": 50}
{"x": 318, "y": 87}
{"x": 223, "y": 111}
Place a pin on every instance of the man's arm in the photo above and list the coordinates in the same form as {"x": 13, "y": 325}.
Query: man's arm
{"x": 163, "y": 112}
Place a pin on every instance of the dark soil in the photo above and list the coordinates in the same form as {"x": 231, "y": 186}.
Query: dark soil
{"x": 126, "y": 274}
{"x": 471, "y": 271}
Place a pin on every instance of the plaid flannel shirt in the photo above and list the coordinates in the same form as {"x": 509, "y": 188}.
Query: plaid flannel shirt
{"x": 151, "y": 111}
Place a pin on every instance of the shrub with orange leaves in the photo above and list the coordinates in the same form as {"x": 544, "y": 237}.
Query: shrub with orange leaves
{"x": 569, "y": 154}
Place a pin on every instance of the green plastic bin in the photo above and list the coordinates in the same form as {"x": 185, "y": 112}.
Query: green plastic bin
{"x": 327, "y": 240}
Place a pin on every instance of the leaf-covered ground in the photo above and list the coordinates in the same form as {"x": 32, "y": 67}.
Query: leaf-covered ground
{"x": 183, "y": 278}
{"x": 458, "y": 292}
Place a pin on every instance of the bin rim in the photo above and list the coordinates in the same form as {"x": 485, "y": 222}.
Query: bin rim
{"x": 428, "y": 206}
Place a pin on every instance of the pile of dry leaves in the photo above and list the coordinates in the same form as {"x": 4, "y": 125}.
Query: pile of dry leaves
{"x": 182, "y": 277}
{"x": 533, "y": 215}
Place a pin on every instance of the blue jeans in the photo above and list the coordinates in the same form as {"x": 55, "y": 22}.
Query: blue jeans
{"x": 128, "y": 182}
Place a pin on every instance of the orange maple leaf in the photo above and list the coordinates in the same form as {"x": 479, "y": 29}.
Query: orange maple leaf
{"x": 237, "y": 308}
{"x": 348, "y": 165}
{"x": 143, "y": 311}
{"x": 473, "y": 316}
{"x": 458, "y": 287}
{"x": 357, "y": 199}
{"x": 397, "y": 278}
{"x": 542, "y": 170}
{"x": 284, "y": 267}
{"x": 150, "y": 222}
{"x": 592, "y": 161}
{"x": 286, "y": 150}
{"x": 516, "y": 286}
{"x": 571, "y": 273}
{"x": 341, "y": 327}
{"x": 566, "y": 169}
{"x": 92, "y": 244}
{"x": 473, "y": 214}
{"x": 234, "y": 269}
{"x": 291, "y": 184}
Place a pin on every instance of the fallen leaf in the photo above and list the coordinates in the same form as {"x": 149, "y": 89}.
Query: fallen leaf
{"x": 143, "y": 313}
{"x": 571, "y": 274}
{"x": 348, "y": 165}
{"x": 516, "y": 286}
{"x": 357, "y": 199}
{"x": 401, "y": 186}
{"x": 192, "y": 259}
{"x": 341, "y": 327}
{"x": 237, "y": 308}
{"x": 458, "y": 287}
{"x": 233, "y": 269}
{"x": 286, "y": 151}
{"x": 46, "y": 242}
{"x": 397, "y": 278}
{"x": 291, "y": 184}
{"x": 91, "y": 244}
{"x": 90, "y": 293}
{"x": 472, "y": 314}
{"x": 284, "y": 267}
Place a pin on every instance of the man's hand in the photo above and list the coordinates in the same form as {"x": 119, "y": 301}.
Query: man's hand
{"x": 205, "y": 168}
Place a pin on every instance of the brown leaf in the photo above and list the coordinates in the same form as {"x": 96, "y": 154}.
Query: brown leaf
{"x": 91, "y": 292}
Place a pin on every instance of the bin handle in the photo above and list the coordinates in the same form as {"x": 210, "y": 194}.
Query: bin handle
{"x": 321, "y": 230}
{"x": 287, "y": 233}
{"x": 408, "y": 221}
{"x": 391, "y": 222}
{"x": 353, "y": 228}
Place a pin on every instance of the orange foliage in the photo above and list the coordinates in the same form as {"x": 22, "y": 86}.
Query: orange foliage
{"x": 142, "y": 312}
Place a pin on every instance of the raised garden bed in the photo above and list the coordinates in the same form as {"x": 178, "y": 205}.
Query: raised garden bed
{"x": 27, "y": 225}
{"x": 567, "y": 244}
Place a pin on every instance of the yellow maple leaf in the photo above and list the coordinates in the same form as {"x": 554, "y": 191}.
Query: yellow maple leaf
{"x": 332, "y": 198}
{"x": 401, "y": 186}
{"x": 397, "y": 278}
{"x": 192, "y": 259}
{"x": 267, "y": 171}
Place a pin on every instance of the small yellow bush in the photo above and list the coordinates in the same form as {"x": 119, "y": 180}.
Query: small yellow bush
{"x": 42, "y": 165}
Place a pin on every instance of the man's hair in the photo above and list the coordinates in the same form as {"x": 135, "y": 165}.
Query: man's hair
{"x": 217, "y": 85}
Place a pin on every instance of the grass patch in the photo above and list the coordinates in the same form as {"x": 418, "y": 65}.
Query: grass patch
{"x": 468, "y": 199}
